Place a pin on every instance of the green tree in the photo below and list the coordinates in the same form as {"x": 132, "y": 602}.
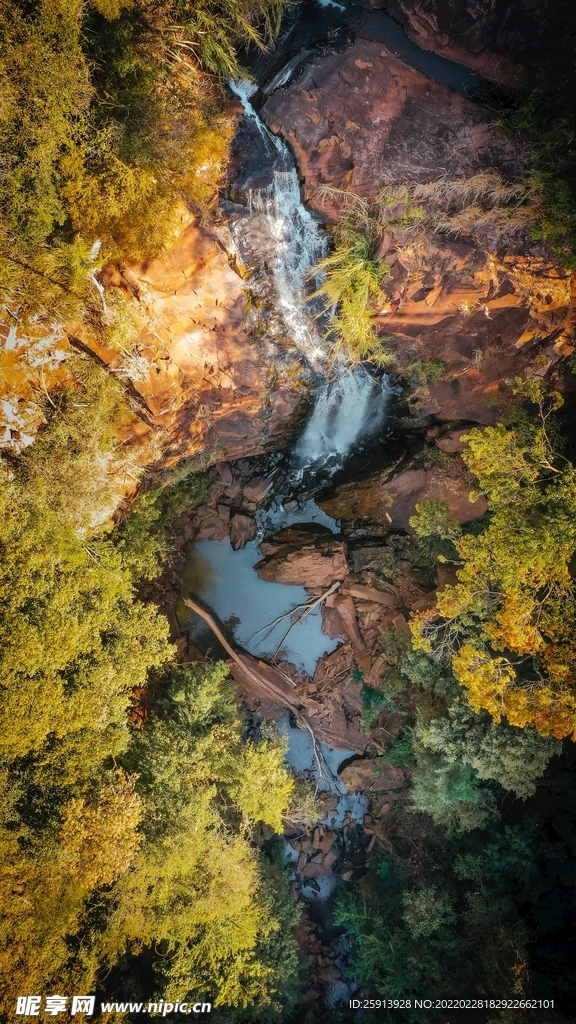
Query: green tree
{"x": 508, "y": 623}
{"x": 351, "y": 281}
{"x": 194, "y": 888}
{"x": 511, "y": 756}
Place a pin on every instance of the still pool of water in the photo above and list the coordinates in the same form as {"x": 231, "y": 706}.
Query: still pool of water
{"x": 226, "y": 581}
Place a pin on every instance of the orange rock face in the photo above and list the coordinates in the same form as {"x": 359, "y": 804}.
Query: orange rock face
{"x": 476, "y": 293}
{"x": 363, "y": 119}
{"x": 204, "y": 382}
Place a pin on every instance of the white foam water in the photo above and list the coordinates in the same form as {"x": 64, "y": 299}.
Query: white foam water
{"x": 348, "y": 409}
{"x": 298, "y": 243}
{"x": 350, "y": 406}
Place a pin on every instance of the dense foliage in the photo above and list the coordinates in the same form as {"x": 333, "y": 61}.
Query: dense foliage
{"x": 469, "y": 893}
{"x": 351, "y": 277}
{"x": 454, "y": 915}
{"x": 508, "y": 623}
{"x": 113, "y": 848}
{"x": 472, "y": 890}
{"x": 109, "y": 122}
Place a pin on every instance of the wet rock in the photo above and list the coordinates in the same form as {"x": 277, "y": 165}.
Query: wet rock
{"x": 331, "y": 725}
{"x": 372, "y": 775}
{"x": 392, "y": 501}
{"x": 315, "y": 870}
{"x": 330, "y": 975}
{"x": 327, "y": 841}
{"x": 329, "y": 859}
{"x": 307, "y": 555}
{"x": 362, "y": 593}
{"x": 242, "y": 529}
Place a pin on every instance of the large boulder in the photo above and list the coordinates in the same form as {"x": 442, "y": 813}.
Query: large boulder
{"x": 373, "y": 775}
{"x": 363, "y": 119}
{"x": 307, "y": 555}
{"x": 391, "y": 501}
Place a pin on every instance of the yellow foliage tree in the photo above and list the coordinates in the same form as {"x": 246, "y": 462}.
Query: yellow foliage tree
{"x": 508, "y": 623}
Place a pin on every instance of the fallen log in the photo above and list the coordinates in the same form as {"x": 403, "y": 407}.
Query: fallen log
{"x": 263, "y": 680}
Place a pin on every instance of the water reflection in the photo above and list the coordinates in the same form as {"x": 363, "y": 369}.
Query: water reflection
{"x": 225, "y": 579}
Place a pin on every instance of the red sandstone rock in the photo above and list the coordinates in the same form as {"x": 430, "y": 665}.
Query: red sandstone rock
{"x": 332, "y": 623}
{"x": 242, "y": 529}
{"x": 362, "y": 593}
{"x": 451, "y": 442}
{"x": 257, "y": 490}
{"x": 206, "y": 385}
{"x": 391, "y": 502}
{"x": 362, "y": 118}
{"x": 332, "y": 727}
{"x": 306, "y": 555}
{"x": 347, "y": 611}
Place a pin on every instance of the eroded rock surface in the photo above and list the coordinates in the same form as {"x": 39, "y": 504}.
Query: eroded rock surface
{"x": 205, "y": 383}
{"x": 390, "y": 500}
{"x": 363, "y": 119}
{"x": 308, "y": 555}
{"x": 472, "y": 292}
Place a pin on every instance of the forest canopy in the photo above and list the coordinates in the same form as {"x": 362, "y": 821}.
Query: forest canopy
{"x": 111, "y": 118}
{"x": 112, "y": 850}
{"x": 508, "y": 623}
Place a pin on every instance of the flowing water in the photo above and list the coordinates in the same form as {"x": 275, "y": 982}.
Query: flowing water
{"x": 349, "y": 410}
{"x": 295, "y": 241}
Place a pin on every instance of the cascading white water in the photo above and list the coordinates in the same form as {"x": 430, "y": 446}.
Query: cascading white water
{"x": 297, "y": 242}
{"x": 350, "y": 406}
{"x": 348, "y": 409}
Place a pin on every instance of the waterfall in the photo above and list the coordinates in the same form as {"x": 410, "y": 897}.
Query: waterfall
{"x": 349, "y": 409}
{"x": 350, "y": 404}
{"x": 297, "y": 241}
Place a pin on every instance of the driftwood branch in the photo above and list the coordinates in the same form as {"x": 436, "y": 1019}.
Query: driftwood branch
{"x": 260, "y": 681}
{"x": 307, "y": 609}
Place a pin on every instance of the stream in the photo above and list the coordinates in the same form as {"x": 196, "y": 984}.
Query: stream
{"x": 279, "y": 242}
{"x": 274, "y": 230}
